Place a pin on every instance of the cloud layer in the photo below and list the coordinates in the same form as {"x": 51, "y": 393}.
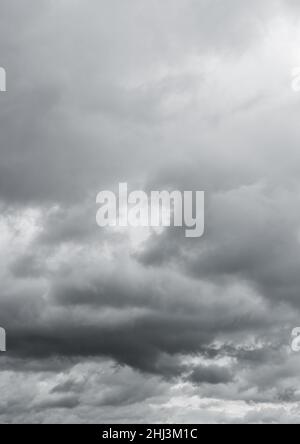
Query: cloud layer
{"x": 134, "y": 325}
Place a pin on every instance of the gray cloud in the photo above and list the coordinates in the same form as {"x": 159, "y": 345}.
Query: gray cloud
{"x": 130, "y": 326}
{"x": 210, "y": 375}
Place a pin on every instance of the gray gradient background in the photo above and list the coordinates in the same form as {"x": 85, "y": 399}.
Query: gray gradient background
{"x": 127, "y": 325}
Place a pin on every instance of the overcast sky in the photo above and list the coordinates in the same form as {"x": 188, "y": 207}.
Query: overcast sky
{"x": 129, "y": 325}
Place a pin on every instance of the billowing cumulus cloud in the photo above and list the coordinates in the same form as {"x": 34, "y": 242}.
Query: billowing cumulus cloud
{"x": 135, "y": 325}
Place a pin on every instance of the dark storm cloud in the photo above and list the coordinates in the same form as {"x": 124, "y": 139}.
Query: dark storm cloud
{"x": 182, "y": 94}
{"x": 145, "y": 324}
{"x": 211, "y": 375}
{"x": 139, "y": 321}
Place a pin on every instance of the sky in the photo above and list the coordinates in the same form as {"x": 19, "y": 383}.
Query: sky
{"x": 135, "y": 325}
